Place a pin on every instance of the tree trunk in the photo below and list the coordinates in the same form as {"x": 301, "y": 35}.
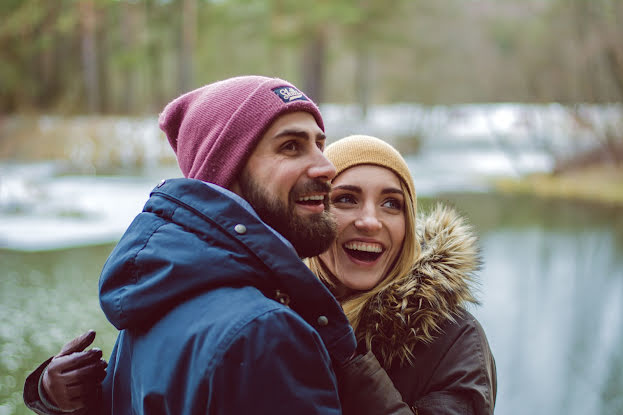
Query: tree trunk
{"x": 362, "y": 78}
{"x": 189, "y": 36}
{"x": 614, "y": 58}
{"x": 156, "y": 97}
{"x": 89, "y": 54}
{"x": 128, "y": 38}
{"x": 48, "y": 63}
{"x": 314, "y": 62}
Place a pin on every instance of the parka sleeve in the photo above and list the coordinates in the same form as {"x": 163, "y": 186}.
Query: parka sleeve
{"x": 365, "y": 388}
{"x": 33, "y": 399}
{"x": 465, "y": 381}
{"x": 277, "y": 364}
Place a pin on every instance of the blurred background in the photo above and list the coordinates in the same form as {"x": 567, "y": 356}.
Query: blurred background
{"x": 511, "y": 111}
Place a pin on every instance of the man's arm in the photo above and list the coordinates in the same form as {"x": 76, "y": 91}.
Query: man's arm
{"x": 277, "y": 364}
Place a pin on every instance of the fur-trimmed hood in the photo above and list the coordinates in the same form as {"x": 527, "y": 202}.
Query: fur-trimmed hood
{"x": 411, "y": 310}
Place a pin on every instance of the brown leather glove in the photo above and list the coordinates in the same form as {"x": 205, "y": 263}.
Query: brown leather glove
{"x": 73, "y": 378}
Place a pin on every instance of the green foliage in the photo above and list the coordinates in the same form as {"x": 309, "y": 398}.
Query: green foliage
{"x": 126, "y": 55}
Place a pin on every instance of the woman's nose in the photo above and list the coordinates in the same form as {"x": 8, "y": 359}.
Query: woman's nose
{"x": 368, "y": 222}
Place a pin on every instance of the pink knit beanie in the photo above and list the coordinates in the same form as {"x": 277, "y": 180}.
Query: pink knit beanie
{"x": 214, "y": 129}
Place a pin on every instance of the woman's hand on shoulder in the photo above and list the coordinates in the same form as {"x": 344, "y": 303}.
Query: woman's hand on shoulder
{"x": 73, "y": 377}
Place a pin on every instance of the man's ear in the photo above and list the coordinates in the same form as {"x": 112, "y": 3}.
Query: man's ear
{"x": 235, "y": 187}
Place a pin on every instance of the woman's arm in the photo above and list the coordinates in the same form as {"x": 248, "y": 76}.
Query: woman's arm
{"x": 464, "y": 381}
{"x": 68, "y": 382}
{"x": 365, "y": 388}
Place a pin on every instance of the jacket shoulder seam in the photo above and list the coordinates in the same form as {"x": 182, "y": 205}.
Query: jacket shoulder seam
{"x": 147, "y": 239}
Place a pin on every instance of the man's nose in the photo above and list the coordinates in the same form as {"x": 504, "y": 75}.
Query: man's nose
{"x": 321, "y": 167}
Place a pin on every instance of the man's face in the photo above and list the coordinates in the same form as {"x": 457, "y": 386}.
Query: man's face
{"x": 286, "y": 180}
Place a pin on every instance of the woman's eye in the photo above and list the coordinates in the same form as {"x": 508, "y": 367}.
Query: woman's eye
{"x": 393, "y": 204}
{"x": 344, "y": 199}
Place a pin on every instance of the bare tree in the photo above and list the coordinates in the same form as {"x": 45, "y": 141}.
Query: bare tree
{"x": 314, "y": 61}
{"x": 189, "y": 41}
{"x": 88, "y": 20}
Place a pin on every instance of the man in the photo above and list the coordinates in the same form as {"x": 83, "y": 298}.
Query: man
{"x": 192, "y": 283}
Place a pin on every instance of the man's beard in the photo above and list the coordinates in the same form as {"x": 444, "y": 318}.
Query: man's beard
{"x": 310, "y": 235}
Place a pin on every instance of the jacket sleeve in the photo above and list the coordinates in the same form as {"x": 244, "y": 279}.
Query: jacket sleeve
{"x": 33, "y": 398}
{"x": 277, "y": 364}
{"x": 365, "y": 388}
{"x": 465, "y": 379}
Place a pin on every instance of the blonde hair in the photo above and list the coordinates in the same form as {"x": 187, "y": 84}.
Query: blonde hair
{"x": 347, "y": 153}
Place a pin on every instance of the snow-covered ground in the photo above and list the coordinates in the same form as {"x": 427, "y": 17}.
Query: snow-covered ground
{"x": 40, "y": 211}
{"x": 462, "y": 148}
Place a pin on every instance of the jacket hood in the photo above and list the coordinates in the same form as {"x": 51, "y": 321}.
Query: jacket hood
{"x": 412, "y": 309}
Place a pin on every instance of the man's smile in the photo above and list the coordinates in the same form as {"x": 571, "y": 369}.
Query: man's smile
{"x": 312, "y": 202}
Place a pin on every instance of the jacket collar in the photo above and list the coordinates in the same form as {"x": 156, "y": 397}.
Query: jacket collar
{"x": 287, "y": 273}
{"x": 242, "y": 202}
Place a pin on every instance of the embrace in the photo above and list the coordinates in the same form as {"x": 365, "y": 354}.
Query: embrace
{"x": 279, "y": 277}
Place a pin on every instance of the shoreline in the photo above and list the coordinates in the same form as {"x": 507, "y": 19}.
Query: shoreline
{"x": 600, "y": 184}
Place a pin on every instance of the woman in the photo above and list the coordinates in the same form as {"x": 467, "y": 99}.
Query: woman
{"x": 403, "y": 284}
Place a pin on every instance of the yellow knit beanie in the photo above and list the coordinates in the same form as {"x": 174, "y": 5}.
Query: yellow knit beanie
{"x": 355, "y": 150}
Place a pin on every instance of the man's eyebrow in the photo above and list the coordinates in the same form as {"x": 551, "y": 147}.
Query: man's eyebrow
{"x": 298, "y": 133}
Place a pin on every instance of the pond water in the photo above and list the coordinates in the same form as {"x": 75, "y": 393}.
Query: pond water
{"x": 552, "y": 303}
{"x": 551, "y": 290}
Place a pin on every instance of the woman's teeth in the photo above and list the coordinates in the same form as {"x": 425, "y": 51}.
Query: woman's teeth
{"x": 364, "y": 251}
{"x": 365, "y": 247}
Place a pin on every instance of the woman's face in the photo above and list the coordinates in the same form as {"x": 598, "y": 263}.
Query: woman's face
{"x": 368, "y": 204}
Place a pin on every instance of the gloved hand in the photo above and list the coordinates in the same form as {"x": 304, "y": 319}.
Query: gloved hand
{"x": 73, "y": 377}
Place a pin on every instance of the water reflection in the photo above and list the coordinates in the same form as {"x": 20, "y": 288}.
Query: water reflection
{"x": 551, "y": 288}
{"x": 552, "y": 293}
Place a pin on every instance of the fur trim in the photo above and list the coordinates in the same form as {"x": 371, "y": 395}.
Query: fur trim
{"x": 412, "y": 309}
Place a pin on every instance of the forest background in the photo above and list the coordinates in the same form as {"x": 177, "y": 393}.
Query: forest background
{"x": 132, "y": 56}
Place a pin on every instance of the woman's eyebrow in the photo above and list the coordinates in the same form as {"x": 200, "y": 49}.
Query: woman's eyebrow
{"x": 348, "y": 187}
{"x": 357, "y": 189}
{"x": 392, "y": 190}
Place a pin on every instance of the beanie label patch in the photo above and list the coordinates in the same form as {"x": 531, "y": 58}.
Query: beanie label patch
{"x": 289, "y": 94}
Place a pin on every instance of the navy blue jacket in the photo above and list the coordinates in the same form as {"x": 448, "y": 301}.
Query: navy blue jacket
{"x": 191, "y": 286}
